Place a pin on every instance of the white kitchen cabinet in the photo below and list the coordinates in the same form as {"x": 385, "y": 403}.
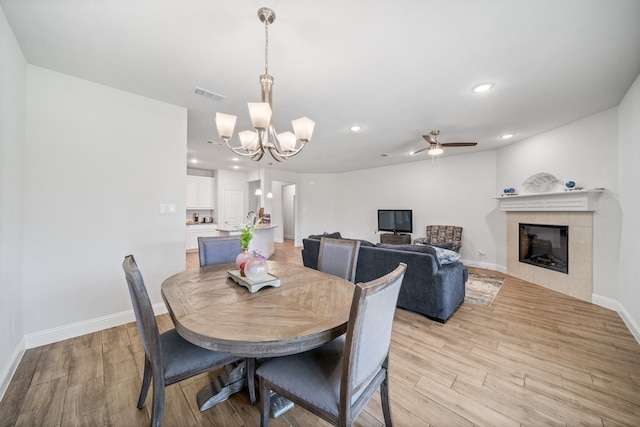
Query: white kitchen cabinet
{"x": 197, "y": 230}
{"x": 199, "y": 192}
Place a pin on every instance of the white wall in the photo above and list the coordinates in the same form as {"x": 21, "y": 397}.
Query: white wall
{"x": 13, "y": 90}
{"x": 629, "y": 175}
{"x": 99, "y": 162}
{"x": 585, "y": 151}
{"x": 454, "y": 190}
{"x": 318, "y": 197}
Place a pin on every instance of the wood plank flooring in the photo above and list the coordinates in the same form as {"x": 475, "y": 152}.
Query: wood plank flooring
{"x": 535, "y": 357}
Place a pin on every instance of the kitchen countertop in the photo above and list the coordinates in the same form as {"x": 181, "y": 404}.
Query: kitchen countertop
{"x": 238, "y": 227}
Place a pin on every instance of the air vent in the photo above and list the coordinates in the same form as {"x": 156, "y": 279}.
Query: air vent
{"x": 208, "y": 94}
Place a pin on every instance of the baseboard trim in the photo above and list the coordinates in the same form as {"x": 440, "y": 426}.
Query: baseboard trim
{"x": 615, "y": 305}
{"x": 73, "y": 330}
{"x": 485, "y": 265}
{"x": 605, "y": 302}
{"x": 11, "y": 368}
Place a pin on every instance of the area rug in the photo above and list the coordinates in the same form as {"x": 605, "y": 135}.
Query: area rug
{"x": 482, "y": 289}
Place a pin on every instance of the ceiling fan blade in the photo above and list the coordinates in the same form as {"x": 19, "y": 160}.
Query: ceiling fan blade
{"x": 458, "y": 144}
{"x": 430, "y": 139}
{"x": 420, "y": 151}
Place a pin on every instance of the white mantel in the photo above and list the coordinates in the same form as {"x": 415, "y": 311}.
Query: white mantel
{"x": 566, "y": 201}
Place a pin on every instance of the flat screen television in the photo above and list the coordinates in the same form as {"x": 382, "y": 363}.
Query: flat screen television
{"x": 395, "y": 220}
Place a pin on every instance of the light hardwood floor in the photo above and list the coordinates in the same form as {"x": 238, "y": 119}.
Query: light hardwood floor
{"x": 535, "y": 357}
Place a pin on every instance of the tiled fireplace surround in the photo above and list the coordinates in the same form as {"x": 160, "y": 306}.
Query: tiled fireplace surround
{"x": 574, "y": 211}
{"x": 579, "y": 282}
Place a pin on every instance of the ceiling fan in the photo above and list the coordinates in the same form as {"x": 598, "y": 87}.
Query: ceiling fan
{"x": 436, "y": 147}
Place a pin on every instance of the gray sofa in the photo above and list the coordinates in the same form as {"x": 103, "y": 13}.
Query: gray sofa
{"x": 428, "y": 288}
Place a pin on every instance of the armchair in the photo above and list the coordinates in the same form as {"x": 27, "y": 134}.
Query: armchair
{"x": 440, "y": 235}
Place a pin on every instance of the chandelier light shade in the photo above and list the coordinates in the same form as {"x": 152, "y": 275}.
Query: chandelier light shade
{"x": 254, "y": 143}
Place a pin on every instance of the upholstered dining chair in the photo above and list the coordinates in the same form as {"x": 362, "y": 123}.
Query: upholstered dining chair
{"x": 218, "y": 249}
{"x": 168, "y": 357}
{"x": 337, "y": 380}
{"x": 446, "y": 236}
{"x": 221, "y": 250}
{"x": 339, "y": 257}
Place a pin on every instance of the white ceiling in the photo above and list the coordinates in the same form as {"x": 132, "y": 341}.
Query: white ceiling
{"x": 398, "y": 69}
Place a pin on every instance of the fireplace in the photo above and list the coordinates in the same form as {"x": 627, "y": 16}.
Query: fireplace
{"x": 545, "y": 246}
{"x": 573, "y": 209}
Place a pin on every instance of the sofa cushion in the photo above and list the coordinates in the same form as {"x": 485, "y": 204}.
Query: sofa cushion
{"x": 411, "y": 248}
{"x": 366, "y": 243}
{"x": 427, "y": 249}
{"x": 335, "y": 235}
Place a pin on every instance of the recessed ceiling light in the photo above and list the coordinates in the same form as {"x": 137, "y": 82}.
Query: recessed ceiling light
{"x": 482, "y": 87}
{"x": 354, "y": 128}
{"x": 507, "y": 136}
{"x": 235, "y": 159}
{"x": 236, "y": 167}
{"x": 194, "y": 160}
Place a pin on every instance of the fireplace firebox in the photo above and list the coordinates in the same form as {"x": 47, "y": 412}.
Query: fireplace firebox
{"x": 545, "y": 246}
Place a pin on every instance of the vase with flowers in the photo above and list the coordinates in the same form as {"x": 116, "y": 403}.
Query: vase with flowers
{"x": 245, "y": 239}
{"x": 256, "y": 268}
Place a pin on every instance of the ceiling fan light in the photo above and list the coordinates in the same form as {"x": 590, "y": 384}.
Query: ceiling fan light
{"x": 225, "y": 124}
{"x": 435, "y": 151}
{"x": 260, "y": 113}
{"x": 303, "y": 128}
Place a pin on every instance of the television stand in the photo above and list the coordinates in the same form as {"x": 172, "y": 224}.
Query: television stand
{"x": 395, "y": 239}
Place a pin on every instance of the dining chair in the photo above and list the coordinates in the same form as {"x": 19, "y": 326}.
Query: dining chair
{"x": 221, "y": 250}
{"x": 337, "y": 380}
{"x": 339, "y": 257}
{"x": 169, "y": 358}
{"x": 218, "y": 249}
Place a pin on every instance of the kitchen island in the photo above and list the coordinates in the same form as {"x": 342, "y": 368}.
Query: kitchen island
{"x": 262, "y": 237}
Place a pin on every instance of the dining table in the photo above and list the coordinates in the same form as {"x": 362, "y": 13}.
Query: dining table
{"x": 307, "y": 309}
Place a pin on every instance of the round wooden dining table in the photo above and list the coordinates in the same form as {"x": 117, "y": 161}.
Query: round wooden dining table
{"x": 307, "y": 310}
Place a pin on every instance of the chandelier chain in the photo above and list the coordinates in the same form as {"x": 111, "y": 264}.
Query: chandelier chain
{"x": 266, "y": 46}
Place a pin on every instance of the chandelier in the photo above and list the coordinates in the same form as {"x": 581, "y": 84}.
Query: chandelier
{"x": 254, "y": 143}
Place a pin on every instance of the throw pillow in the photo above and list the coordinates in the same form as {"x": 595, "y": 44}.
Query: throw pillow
{"x": 446, "y": 256}
{"x": 443, "y": 245}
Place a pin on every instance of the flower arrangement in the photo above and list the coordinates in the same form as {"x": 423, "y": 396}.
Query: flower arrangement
{"x": 247, "y": 230}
